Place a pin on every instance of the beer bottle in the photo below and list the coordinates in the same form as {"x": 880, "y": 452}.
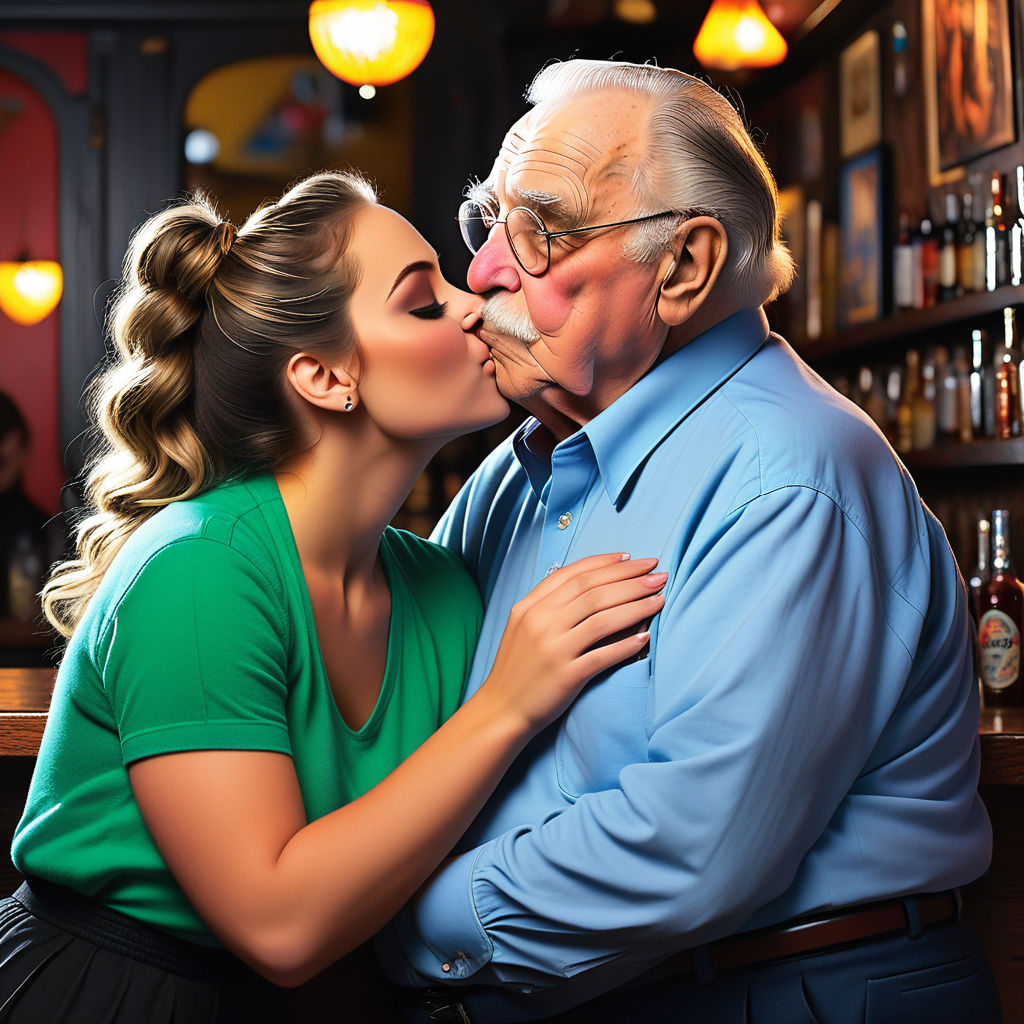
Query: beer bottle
{"x": 980, "y": 574}
{"x": 1000, "y": 602}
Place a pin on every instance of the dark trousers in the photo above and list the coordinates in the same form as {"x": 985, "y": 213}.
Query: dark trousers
{"x": 67, "y": 960}
{"x": 940, "y": 977}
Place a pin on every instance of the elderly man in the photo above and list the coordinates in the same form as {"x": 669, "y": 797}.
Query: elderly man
{"x": 766, "y": 817}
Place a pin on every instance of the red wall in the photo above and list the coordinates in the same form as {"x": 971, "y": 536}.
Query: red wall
{"x": 29, "y": 210}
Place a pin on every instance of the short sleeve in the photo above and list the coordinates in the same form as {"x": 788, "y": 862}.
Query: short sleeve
{"x": 196, "y": 654}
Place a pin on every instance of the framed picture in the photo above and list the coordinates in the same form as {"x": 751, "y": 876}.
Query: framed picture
{"x": 969, "y": 84}
{"x": 862, "y": 245}
{"x": 860, "y": 95}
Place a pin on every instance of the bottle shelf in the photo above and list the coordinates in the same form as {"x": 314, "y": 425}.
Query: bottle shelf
{"x": 909, "y": 324}
{"x": 978, "y": 453}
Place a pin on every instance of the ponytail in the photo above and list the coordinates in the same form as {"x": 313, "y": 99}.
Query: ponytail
{"x": 202, "y": 327}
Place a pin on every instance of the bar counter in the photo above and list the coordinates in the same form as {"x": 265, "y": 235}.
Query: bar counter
{"x": 994, "y": 903}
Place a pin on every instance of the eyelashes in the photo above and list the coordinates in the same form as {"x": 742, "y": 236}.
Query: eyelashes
{"x": 432, "y": 312}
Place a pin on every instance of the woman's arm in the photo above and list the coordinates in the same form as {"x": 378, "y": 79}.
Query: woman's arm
{"x": 290, "y": 897}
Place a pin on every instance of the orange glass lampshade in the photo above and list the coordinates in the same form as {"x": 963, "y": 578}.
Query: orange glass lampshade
{"x": 371, "y": 42}
{"x": 737, "y": 34}
{"x": 30, "y": 289}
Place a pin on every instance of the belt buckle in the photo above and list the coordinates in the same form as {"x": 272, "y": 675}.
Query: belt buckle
{"x": 442, "y": 1006}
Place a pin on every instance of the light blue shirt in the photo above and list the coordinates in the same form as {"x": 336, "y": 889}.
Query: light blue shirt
{"x": 803, "y": 733}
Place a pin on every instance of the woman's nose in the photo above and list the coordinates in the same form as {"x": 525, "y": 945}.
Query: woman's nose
{"x": 494, "y": 266}
{"x": 469, "y": 306}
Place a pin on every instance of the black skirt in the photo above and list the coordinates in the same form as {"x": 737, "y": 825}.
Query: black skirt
{"x": 67, "y": 960}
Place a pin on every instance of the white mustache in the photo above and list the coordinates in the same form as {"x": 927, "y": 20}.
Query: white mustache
{"x": 501, "y": 319}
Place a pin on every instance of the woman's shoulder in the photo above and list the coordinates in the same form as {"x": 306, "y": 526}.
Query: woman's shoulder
{"x": 215, "y": 514}
{"x": 211, "y": 533}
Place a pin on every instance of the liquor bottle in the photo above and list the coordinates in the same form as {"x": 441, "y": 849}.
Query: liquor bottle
{"x": 1000, "y": 602}
{"x": 24, "y": 577}
{"x": 962, "y": 370}
{"x": 872, "y": 398}
{"x": 978, "y": 212}
{"x": 947, "y": 428}
{"x": 893, "y": 392}
{"x": 927, "y": 258}
{"x": 983, "y": 420}
{"x": 1017, "y": 233}
{"x": 1012, "y": 344}
{"x": 997, "y": 238}
{"x": 908, "y": 398}
{"x": 923, "y": 409}
{"x": 903, "y": 267}
{"x": 980, "y": 573}
{"x": 1007, "y": 381}
{"x": 965, "y": 235}
{"x": 948, "y": 251}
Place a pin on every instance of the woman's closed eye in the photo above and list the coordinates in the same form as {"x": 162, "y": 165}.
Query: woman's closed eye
{"x": 432, "y": 312}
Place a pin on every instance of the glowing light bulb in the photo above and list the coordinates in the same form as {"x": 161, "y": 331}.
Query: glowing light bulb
{"x": 371, "y": 42}
{"x": 30, "y": 289}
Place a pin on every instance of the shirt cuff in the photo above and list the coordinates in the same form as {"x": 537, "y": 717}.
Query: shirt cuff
{"x": 437, "y": 936}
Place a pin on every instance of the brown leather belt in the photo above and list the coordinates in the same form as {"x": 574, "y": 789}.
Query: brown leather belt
{"x": 817, "y": 934}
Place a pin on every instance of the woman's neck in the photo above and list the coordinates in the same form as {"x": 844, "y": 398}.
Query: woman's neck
{"x": 340, "y": 494}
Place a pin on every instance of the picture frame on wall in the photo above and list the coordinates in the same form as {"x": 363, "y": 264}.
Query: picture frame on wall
{"x": 862, "y": 247}
{"x": 969, "y": 88}
{"x": 860, "y": 95}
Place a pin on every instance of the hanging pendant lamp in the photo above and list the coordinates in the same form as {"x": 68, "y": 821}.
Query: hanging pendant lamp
{"x": 737, "y": 34}
{"x": 30, "y": 289}
{"x": 371, "y": 42}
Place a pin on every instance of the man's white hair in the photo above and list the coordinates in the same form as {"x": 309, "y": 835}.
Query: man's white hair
{"x": 699, "y": 157}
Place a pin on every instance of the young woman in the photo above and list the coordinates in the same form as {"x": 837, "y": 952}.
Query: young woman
{"x": 252, "y": 649}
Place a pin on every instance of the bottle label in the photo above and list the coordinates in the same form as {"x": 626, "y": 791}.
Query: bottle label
{"x": 999, "y": 640}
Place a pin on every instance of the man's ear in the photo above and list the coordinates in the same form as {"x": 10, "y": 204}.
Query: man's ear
{"x": 691, "y": 269}
{"x": 327, "y": 385}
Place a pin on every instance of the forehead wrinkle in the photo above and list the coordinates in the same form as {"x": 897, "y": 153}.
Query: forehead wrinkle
{"x": 543, "y": 163}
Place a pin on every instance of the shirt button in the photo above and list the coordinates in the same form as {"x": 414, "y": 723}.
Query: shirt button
{"x": 446, "y": 968}
{"x": 564, "y": 520}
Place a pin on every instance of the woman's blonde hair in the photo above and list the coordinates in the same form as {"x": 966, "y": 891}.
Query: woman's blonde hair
{"x": 202, "y": 327}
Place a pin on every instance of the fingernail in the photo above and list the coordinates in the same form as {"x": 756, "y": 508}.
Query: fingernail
{"x": 626, "y": 557}
{"x": 656, "y": 579}
{"x": 642, "y": 638}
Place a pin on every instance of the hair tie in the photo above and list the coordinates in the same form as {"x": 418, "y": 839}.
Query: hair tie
{"x": 226, "y": 237}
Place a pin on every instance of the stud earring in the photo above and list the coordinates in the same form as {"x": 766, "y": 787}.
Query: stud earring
{"x": 348, "y": 403}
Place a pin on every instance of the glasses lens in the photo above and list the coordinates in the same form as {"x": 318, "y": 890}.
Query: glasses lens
{"x": 475, "y": 223}
{"x": 529, "y": 239}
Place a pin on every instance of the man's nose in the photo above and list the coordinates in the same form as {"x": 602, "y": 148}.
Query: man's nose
{"x": 494, "y": 266}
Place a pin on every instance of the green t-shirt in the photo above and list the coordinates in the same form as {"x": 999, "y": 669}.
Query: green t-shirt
{"x": 201, "y": 636}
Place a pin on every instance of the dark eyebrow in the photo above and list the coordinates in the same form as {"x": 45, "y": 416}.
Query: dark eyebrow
{"x": 412, "y": 268}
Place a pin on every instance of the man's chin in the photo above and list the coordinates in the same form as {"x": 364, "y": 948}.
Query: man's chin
{"x": 516, "y": 386}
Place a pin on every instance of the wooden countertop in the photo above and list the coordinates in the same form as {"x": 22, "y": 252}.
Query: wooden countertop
{"x": 25, "y": 697}
{"x": 1002, "y": 746}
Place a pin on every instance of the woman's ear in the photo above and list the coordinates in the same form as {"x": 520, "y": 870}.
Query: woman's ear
{"x": 691, "y": 269}
{"x": 329, "y": 386}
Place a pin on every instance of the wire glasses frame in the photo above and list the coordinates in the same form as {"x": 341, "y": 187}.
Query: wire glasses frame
{"x": 525, "y": 231}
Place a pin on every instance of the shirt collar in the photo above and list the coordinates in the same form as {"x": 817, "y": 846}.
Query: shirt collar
{"x": 624, "y": 434}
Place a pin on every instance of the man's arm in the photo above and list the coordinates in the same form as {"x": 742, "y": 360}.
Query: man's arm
{"x": 780, "y": 656}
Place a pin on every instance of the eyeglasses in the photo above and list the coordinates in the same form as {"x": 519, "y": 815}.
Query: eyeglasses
{"x": 528, "y": 238}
